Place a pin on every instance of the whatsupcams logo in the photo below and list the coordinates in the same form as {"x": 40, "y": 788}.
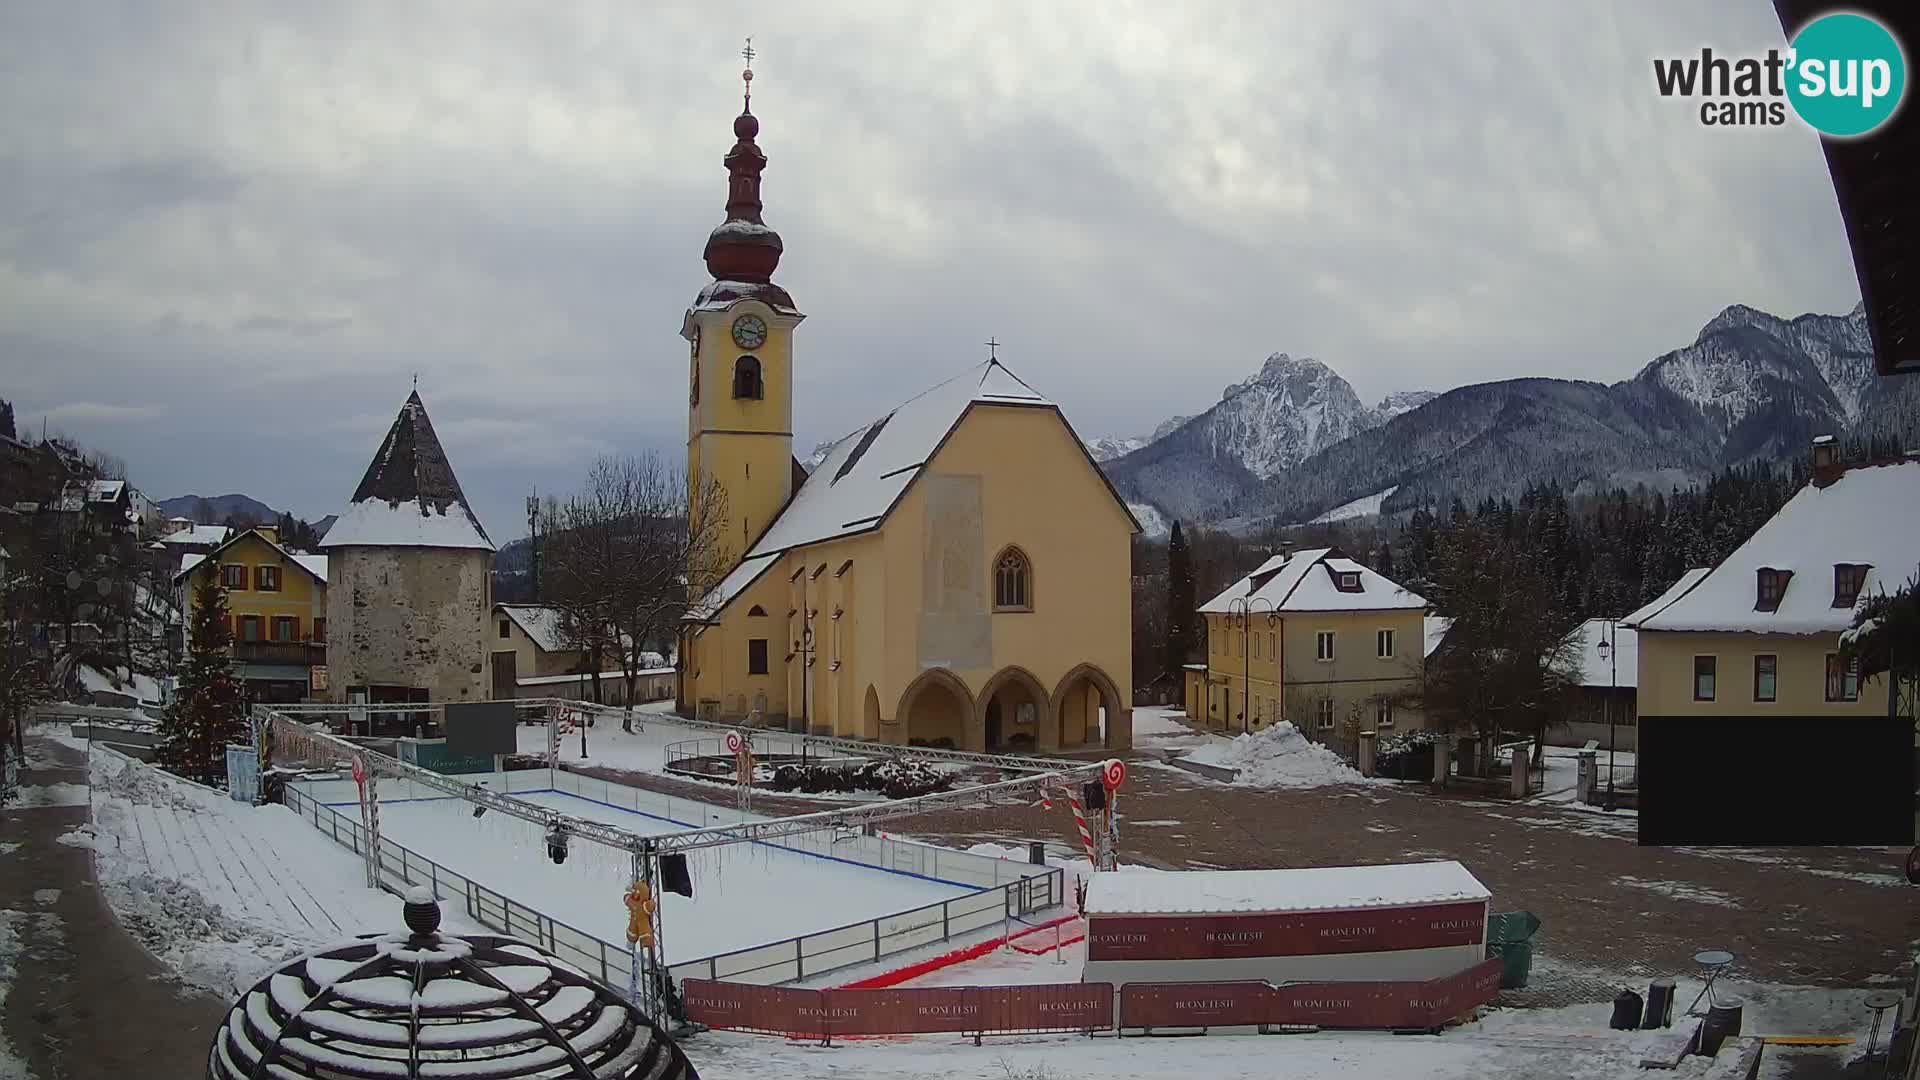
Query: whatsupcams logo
{"x": 1843, "y": 74}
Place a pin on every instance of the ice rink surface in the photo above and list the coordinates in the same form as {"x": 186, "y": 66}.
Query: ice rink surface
{"x": 743, "y": 894}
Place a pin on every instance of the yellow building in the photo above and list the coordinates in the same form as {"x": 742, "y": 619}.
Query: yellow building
{"x": 1314, "y": 638}
{"x": 1759, "y": 634}
{"x": 953, "y": 573}
{"x": 277, "y": 610}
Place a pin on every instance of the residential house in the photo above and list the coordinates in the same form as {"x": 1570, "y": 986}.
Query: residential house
{"x": 194, "y": 540}
{"x": 531, "y": 656}
{"x": 1317, "y": 639}
{"x": 276, "y": 607}
{"x": 1758, "y": 635}
{"x": 1603, "y": 674}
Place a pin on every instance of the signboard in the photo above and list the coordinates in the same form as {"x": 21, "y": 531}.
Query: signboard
{"x": 1307, "y": 933}
{"x": 243, "y": 773}
{"x": 317, "y": 679}
{"x": 1317, "y": 1004}
{"x": 477, "y": 728}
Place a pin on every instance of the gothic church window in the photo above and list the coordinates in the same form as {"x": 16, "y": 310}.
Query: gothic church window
{"x": 746, "y": 378}
{"x": 1012, "y": 581}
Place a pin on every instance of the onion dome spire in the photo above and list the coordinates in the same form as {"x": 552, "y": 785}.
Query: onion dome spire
{"x": 742, "y": 248}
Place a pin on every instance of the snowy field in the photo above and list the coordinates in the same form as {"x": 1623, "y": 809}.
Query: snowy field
{"x": 221, "y": 891}
{"x": 743, "y": 894}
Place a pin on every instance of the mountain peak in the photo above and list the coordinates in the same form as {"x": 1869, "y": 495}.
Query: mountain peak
{"x": 1735, "y": 315}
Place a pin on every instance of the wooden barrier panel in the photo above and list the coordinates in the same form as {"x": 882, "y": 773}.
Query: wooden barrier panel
{"x": 1215, "y": 937}
{"x": 1047, "y": 1007}
{"x": 773, "y": 1009}
{"x": 902, "y": 1012}
{"x": 1319, "y": 1004}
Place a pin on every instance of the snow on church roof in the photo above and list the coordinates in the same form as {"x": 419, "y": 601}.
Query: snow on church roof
{"x": 409, "y": 496}
{"x": 865, "y": 473}
{"x": 1297, "y": 582}
{"x": 1869, "y": 515}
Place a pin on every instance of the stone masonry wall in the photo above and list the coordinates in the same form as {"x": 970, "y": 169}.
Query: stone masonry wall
{"x": 409, "y": 617}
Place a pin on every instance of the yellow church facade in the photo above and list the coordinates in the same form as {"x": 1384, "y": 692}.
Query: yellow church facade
{"x": 953, "y": 573}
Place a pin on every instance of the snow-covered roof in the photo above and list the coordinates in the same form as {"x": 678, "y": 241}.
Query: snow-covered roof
{"x": 1622, "y": 668}
{"x": 197, "y": 535}
{"x": 409, "y": 496}
{"x": 865, "y": 473}
{"x": 556, "y": 680}
{"x": 1868, "y": 516}
{"x": 1303, "y": 581}
{"x": 105, "y": 490}
{"x": 142, "y": 688}
{"x": 1321, "y": 888}
{"x": 1674, "y": 592}
{"x": 312, "y": 564}
{"x": 545, "y": 626}
{"x": 1436, "y": 627}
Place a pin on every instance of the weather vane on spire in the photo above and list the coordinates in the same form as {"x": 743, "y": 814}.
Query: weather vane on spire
{"x": 747, "y": 75}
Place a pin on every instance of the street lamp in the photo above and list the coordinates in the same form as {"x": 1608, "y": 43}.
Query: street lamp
{"x": 1611, "y": 655}
{"x": 1241, "y": 610}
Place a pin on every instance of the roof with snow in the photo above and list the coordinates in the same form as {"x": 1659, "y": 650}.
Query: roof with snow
{"x": 409, "y": 496}
{"x": 106, "y": 490}
{"x": 1868, "y": 516}
{"x": 1309, "y": 581}
{"x": 864, "y": 475}
{"x": 1620, "y": 668}
{"x": 198, "y": 534}
{"x": 1674, "y": 592}
{"x": 1247, "y": 892}
{"x": 315, "y": 565}
{"x": 1436, "y": 627}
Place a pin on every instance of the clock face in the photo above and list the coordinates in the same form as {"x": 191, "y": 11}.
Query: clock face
{"x": 749, "y": 332}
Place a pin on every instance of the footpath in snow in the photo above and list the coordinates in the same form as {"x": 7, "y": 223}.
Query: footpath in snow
{"x": 220, "y": 891}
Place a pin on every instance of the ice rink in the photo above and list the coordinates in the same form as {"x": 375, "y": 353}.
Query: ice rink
{"x": 743, "y": 894}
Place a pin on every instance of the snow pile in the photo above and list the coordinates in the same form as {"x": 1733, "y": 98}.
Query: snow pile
{"x": 1279, "y": 757}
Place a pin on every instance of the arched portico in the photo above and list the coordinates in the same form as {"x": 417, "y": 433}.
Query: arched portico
{"x": 937, "y": 705}
{"x": 1013, "y": 712}
{"x": 1080, "y": 699}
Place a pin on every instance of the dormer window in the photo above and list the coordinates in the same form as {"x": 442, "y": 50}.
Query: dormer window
{"x": 746, "y": 378}
{"x": 1848, "y": 579}
{"x": 1771, "y": 585}
{"x": 1347, "y": 580}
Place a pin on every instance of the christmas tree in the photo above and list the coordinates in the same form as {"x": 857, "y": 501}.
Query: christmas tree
{"x": 209, "y": 711}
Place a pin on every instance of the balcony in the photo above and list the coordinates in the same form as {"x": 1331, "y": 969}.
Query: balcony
{"x": 288, "y": 653}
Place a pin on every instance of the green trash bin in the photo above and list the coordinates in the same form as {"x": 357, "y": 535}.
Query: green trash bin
{"x": 1510, "y": 937}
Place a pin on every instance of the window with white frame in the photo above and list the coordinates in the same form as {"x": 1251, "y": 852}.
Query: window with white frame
{"x": 1323, "y": 714}
{"x": 1323, "y": 645}
{"x": 1383, "y": 644}
{"x": 1383, "y": 713}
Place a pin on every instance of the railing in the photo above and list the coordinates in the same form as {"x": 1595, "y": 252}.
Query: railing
{"x": 291, "y": 653}
{"x": 998, "y": 900}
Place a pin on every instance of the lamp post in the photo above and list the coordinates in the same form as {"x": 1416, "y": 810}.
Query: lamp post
{"x": 1610, "y": 652}
{"x": 1241, "y": 610}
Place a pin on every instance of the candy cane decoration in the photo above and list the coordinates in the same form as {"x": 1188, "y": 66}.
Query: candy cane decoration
{"x": 1080, "y": 822}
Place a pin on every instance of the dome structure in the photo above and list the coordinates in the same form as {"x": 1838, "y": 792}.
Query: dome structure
{"x": 425, "y": 1004}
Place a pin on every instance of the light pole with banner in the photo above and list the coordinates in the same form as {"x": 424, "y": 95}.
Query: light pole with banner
{"x": 1241, "y": 610}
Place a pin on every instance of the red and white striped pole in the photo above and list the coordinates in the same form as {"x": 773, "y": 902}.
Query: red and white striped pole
{"x": 1080, "y": 822}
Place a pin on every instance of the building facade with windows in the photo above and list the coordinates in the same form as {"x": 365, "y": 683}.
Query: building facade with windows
{"x": 1759, "y": 634}
{"x": 953, "y": 573}
{"x": 276, "y": 608}
{"x": 1314, "y": 638}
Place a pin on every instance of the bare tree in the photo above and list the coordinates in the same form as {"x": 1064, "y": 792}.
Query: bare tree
{"x": 622, "y": 552}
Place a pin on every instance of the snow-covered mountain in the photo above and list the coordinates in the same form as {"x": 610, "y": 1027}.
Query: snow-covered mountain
{"x": 1107, "y": 447}
{"x": 1293, "y": 444}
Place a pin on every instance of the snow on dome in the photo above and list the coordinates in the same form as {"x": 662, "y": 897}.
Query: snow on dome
{"x": 1320, "y": 888}
{"x": 1869, "y": 516}
{"x": 427, "y": 1004}
{"x": 409, "y": 496}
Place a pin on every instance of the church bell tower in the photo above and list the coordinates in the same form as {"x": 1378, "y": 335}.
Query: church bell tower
{"x": 740, "y": 331}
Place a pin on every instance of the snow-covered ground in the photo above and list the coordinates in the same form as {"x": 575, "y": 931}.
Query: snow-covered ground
{"x": 743, "y": 895}
{"x": 1363, "y": 506}
{"x": 1278, "y": 756}
{"x": 221, "y": 891}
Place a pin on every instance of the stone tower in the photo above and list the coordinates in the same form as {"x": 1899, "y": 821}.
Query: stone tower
{"x": 410, "y": 578}
{"x": 740, "y": 327}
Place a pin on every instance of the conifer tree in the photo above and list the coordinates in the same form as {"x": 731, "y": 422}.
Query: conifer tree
{"x": 1181, "y": 603}
{"x": 209, "y": 711}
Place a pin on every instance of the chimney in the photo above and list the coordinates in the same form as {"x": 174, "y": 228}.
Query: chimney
{"x": 1826, "y": 460}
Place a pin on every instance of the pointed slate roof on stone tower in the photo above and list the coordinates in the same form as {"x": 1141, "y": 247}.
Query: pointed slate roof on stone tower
{"x": 409, "y": 496}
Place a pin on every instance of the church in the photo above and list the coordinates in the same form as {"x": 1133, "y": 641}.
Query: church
{"x": 954, "y": 573}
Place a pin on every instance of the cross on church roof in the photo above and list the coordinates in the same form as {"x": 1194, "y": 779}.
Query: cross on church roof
{"x": 993, "y": 349}
{"x": 747, "y": 75}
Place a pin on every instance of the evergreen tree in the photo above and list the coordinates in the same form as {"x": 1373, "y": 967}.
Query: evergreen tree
{"x": 1181, "y": 602}
{"x": 209, "y": 711}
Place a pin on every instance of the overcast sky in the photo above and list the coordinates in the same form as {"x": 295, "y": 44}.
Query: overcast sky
{"x": 230, "y": 234}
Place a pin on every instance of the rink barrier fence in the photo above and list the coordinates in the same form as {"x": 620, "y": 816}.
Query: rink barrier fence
{"x": 1004, "y": 890}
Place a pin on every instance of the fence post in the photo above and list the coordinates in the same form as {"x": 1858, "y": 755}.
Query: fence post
{"x": 876, "y": 940}
{"x": 799, "y": 961}
{"x": 946, "y": 921}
